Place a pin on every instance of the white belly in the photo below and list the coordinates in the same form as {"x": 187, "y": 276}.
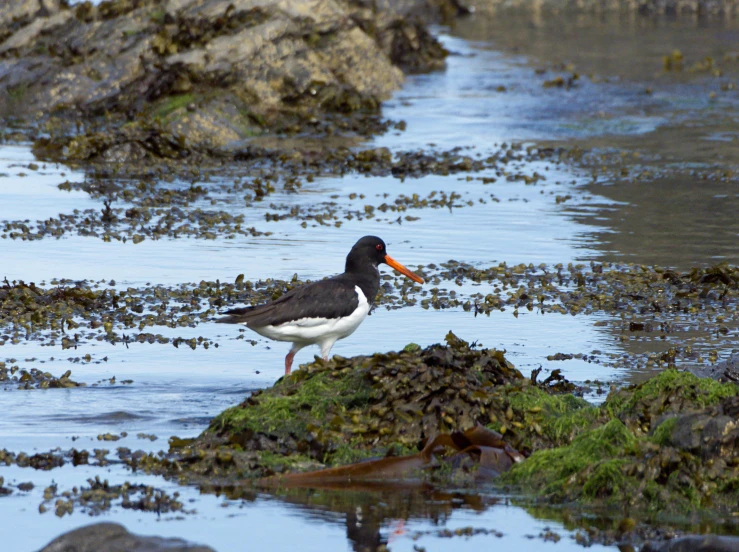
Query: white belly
{"x": 318, "y": 330}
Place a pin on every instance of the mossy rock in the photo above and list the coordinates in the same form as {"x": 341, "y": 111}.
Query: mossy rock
{"x": 668, "y": 446}
{"x": 593, "y": 457}
{"x": 643, "y": 406}
{"x": 379, "y": 401}
{"x": 541, "y": 420}
{"x": 681, "y": 456}
{"x": 345, "y": 410}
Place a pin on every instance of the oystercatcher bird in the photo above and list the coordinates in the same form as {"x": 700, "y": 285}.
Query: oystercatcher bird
{"x": 320, "y": 313}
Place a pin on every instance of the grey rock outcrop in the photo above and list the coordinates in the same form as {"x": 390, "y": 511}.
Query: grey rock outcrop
{"x": 113, "y": 537}
{"x": 724, "y": 371}
{"x": 209, "y": 72}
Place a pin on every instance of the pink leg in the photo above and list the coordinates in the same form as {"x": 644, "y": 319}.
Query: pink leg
{"x": 289, "y": 361}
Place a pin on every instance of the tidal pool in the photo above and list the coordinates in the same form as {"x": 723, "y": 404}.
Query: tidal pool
{"x": 607, "y": 207}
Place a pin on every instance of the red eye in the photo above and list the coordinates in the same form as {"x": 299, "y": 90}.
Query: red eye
{"x": 378, "y": 247}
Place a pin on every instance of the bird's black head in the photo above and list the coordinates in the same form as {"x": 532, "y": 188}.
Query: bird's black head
{"x": 369, "y": 249}
{"x": 372, "y": 251}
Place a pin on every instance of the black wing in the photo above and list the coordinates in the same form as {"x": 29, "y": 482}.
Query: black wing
{"x": 331, "y": 298}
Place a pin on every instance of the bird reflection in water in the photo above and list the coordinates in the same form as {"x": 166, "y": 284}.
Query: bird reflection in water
{"x": 375, "y": 514}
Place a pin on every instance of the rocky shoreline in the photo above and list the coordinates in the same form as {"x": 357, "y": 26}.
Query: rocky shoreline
{"x": 202, "y": 81}
{"x": 131, "y": 79}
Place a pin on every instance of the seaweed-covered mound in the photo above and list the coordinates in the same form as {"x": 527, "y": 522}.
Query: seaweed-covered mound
{"x": 332, "y": 410}
{"x": 336, "y": 412}
{"x": 670, "y": 444}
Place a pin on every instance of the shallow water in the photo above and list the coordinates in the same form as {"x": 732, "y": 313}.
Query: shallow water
{"x": 607, "y": 217}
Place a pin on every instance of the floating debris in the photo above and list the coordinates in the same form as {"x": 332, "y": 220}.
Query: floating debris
{"x": 34, "y": 378}
{"x": 490, "y": 454}
{"x": 196, "y": 205}
{"x": 100, "y": 496}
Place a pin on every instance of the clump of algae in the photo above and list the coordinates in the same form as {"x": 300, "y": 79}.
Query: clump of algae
{"x": 345, "y": 410}
{"x": 668, "y": 445}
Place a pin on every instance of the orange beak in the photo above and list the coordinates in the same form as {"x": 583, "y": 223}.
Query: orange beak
{"x": 403, "y": 270}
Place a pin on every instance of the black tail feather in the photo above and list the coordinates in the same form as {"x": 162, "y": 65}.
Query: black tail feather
{"x": 235, "y": 316}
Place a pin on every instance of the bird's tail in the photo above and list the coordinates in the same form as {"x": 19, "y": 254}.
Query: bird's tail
{"x": 235, "y": 316}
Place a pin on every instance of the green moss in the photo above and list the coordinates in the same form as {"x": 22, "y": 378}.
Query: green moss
{"x": 663, "y": 432}
{"x": 297, "y": 404}
{"x": 566, "y": 427}
{"x": 653, "y": 494}
{"x": 279, "y": 463}
{"x": 606, "y": 479}
{"x": 631, "y": 460}
{"x": 171, "y": 104}
{"x": 670, "y": 390}
{"x": 560, "y": 417}
{"x": 683, "y": 486}
{"x": 356, "y": 451}
{"x": 591, "y": 460}
{"x": 349, "y": 453}
{"x": 730, "y": 486}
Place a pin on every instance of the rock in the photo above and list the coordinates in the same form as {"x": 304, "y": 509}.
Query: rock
{"x": 130, "y": 152}
{"x": 695, "y": 543}
{"x": 669, "y": 444}
{"x": 113, "y": 537}
{"x": 19, "y": 12}
{"x": 707, "y": 434}
{"x": 248, "y": 66}
{"x": 29, "y": 33}
{"x": 725, "y": 371}
{"x": 350, "y": 409}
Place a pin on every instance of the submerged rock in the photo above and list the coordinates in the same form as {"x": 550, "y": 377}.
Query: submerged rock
{"x": 34, "y": 378}
{"x": 113, "y": 537}
{"x": 100, "y": 496}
